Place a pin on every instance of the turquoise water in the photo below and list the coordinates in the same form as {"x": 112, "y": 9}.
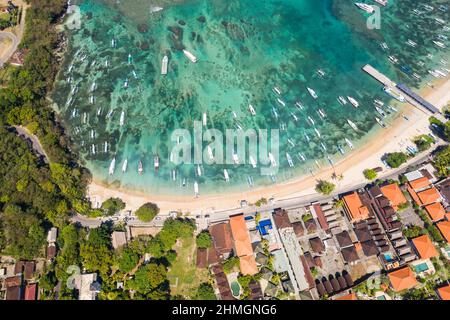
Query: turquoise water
{"x": 421, "y": 267}
{"x": 244, "y": 48}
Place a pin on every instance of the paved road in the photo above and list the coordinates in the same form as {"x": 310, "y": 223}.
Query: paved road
{"x": 35, "y": 141}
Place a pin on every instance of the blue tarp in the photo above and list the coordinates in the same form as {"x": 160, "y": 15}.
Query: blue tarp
{"x": 264, "y": 225}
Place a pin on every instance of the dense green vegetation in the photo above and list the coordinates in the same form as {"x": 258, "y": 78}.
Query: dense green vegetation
{"x": 396, "y": 159}
{"x": 442, "y": 161}
{"x": 325, "y": 187}
{"x": 112, "y": 206}
{"x": 370, "y": 174}
{"x": 204, "y": 240}
{"x": 147, "y": 212}
{"x": 35, "y": 195}
{"x": 205, "y": 292}
{"x": 423, "y": 142}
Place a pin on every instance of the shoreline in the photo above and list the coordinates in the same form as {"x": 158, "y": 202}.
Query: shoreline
{"x": 392, "y": 139}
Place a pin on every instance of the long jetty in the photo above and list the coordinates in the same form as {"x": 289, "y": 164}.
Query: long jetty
{"x": 411, "y": 97}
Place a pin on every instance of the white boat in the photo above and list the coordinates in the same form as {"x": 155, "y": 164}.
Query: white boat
{"x": 382, "y": 2}
{"x": 93, "y": 149}
{"x": 329, "y": 160}
{"x": 196, "y": 189}
{"x": 378, "y": 102}
{"x": 341, "y": 150}
{"x": 126, "y": 83}
{"x": 317, "y": 133}
{"x": 352, "y": 124}
{"x": 140, "y": 167}
{"x": 353, "y": 101}
{"x": 308, "y": 139}
{"x": 380, "y": 122}
{"x": 122, "y": 118}
{"x": 273, "y": 162}
{"x": 381, "y": 112}
{"x": 112, "y": 167}
{"x": 190, "y": 56}
{"x": 252, "y": 110}
{"x": 342, "y": 100}
{"x": 106, "y": 147}
{"x": 323, "y": 146}
{"x": 275, "y": 113}
{"x": 281, "y": 102}
{"x": 321, "y": 73}
{"x": 439, "y": 20}
{"x": 384, "y": 46}
{"x": 234, "y": 114}
{"x": 299, "y": 105}
{"x": 289, "y": 140}
{"x": 312, "y": 93}
{"x": 294, "y": 116}
{"x": 205, "y": 119}
{"x": 394, "y": 94}
{"x": 289, "y": 160}
{"x": 439, "y": 44}
{"x": 392, "y": 108}
{"x": 92, "y": 99}
{"x": 411, "y": 43}
{"x": 302, "y": 156}
{"x": 113, "y": 43}
{"x": 393, "y": 59}
{"x": 416, "y": 76}
{"x": 156, "y": 163}
{"x": 277, "y": 91}
{"x": 174, "y": 175}
{"x": 349, "y": 143}
{"x": 226, "y": 175}
{"x": 250, "y": 181}
{"x": 125, "y": 165}
{"x": 321, "y": 113}
{"x": 93, "y": 86}
{"x": 252, "y": 162}
{"x": 365, "y": 7}
{"x": 311, "y": 121}
{"x": 434, "y": 73}
{"x": 154, "y": 9}
{"x": 199, "y": 170}
{"x": 164, "y": 66}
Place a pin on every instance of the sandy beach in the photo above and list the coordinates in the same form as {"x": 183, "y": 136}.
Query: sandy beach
{"x": 394, "y": 138}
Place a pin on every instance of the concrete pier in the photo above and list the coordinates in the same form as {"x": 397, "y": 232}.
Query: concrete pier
{"x": 410, "y": 96}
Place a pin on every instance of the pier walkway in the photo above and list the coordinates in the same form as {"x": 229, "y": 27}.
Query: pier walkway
{"x": 411, "y": 97}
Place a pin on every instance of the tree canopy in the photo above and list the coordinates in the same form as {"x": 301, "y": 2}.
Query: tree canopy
{"x": 147, "y": 212}
{"x": 325, "y": 187}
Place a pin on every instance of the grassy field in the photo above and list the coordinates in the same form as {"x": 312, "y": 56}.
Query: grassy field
{"x": 183, "y": 275}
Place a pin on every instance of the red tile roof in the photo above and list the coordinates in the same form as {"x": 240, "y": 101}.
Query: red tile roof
{"x": 351, "y": 296}
{"x": 429, "y": 196}
{"x": 394, "y": 194}
{"x": 402, "y": 279}
{"x": 425, "y": 247}
{"x": 243, "y": 245}
{"x": 436, "y": 211}
{"x": 419, "y": 183}
{"x": 444, "y": 292}
{"x": 444, "y": 228}
{"x": 355, "y": 208}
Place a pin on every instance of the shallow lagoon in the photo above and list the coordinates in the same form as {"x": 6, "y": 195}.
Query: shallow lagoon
{"x": 244, "y": 49}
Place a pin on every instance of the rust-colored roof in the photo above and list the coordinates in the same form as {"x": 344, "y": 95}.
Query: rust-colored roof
{"x": 429, "y": 195}
{"x": 444, "y": 228}
{"x": 30, "y": 291}
{"x": 241, "y": 236}
{"x": 221, "y": 235}
{"x": 394, "y": 194}
{"x": 355, "y": 207}
{"x": 436, "y": 211}
{"x": 248, "y": 265}
{"x": 281, "y": 219}
{"x": 444, "y": 292}
{"x": 351, "y": 296}
{"x": 425, "y": 247}
{"x": 321, "y": 217}
{"x": 419, "y": 183}
{"x": 414, "y": 195}
{"x": 402, "y": 279}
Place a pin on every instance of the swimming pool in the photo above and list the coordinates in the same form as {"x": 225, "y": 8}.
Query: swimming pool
{"x": 388, "y": 257}
{"x": 421, "y": 267}
{"x": 235, "y": 288}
